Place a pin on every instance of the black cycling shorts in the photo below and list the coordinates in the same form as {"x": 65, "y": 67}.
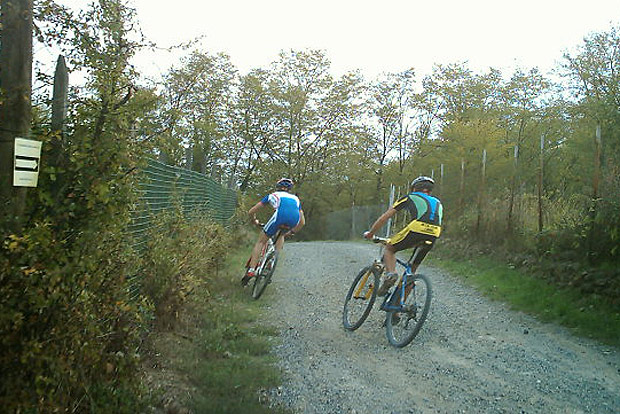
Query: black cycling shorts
{"x": 408, "y": 239}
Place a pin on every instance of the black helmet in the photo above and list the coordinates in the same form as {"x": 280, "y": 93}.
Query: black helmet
{"x": 285, "y": 183}
{"x": 423, "y": 183}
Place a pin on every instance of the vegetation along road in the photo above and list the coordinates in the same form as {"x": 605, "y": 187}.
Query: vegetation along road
{"x": 472, "y": 355}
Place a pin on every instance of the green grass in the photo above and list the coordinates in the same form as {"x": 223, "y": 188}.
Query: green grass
{"x": 587, "y": 316}
{"x": 229, "y": 362}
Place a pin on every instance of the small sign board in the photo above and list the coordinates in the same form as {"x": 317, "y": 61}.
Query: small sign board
{"x": 27, "y": 160}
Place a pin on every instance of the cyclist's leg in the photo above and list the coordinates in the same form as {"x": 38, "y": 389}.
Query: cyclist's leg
{"x": 280, "y": 241}
{"x": 269, "y": 230}
{"x": 390, "y": 275}
{"x": 403, "y": 240}
{"x": 420, "y": 255}
{"x": 396, "y": 243}
{"x": 258, "y": 247}
{"x": 389, "y": 258}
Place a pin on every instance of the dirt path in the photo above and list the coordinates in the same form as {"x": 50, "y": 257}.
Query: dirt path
{"x": 472, "y": 355}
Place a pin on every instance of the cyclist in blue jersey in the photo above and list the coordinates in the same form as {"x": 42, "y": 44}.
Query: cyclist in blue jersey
{"x": 288, "y": 214}
{"x": 426, "y": 212}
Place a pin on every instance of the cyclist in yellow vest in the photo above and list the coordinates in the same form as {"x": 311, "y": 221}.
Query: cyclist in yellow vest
{"x": 427, "y": 213}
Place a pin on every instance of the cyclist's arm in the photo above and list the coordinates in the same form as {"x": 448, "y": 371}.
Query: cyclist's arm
{"x": 383, "y": 218}
{"x": 253, "y": 210}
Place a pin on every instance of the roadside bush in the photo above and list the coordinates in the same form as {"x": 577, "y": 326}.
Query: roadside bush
{"x": 69, "y": 333}
{"x": 181, "y": 254}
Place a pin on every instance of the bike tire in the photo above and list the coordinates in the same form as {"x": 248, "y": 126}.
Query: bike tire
{"x": 264, "y": 278}
{"x": 402, "y": 327}
{"x": 360, "y": 298}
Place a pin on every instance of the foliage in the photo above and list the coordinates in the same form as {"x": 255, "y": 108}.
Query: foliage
{"x": 587, "y": 315}
{"x": 70, "y": 330}
{"x": 68, "y": 326}
{"x": 217, "y": 357}
{"x": 181, "y": 253}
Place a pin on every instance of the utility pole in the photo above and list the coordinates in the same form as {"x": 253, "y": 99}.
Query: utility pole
{"x": 15, "y": 106}
{"x": 597, "y": 163}
{"x": 598, "y": 143}
{"x": 481, "y": 194}
{"x": 462, "y": 188}
{"x": 513, "y": 187}
{"x": 540, "y": 183}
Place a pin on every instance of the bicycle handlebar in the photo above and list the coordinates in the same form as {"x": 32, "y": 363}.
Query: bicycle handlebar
{"x": 377, "y": 239}
{"x": 384, "y": 240}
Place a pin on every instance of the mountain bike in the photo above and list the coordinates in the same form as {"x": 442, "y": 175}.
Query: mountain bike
{"x": 406, "y": 304}
{"x": 267, "y": 262}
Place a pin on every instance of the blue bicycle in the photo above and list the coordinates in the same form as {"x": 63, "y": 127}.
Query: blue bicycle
{"x": 406, "y": 304}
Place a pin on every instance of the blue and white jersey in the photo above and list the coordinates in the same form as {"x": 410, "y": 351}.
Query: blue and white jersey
{"x": 282, "y": 200}
{"x": 287, "y": 211}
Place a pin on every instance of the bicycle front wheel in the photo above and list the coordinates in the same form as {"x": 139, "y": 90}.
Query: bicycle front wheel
{"x": 264, "y": 277}
{"x": 402, "y": 327}
{"x": 360, "y": 298}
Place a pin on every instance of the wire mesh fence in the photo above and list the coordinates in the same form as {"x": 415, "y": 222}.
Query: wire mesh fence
{"x": 164, "y": 187}
{"x": 349, "y": 223}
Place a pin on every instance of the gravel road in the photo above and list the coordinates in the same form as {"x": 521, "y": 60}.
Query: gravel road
{"x": 472, "y": 355}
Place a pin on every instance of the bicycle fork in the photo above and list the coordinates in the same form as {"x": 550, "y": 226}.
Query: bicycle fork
{"x": 361, "y": 292}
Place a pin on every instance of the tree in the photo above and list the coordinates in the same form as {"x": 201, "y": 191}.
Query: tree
{"x": 15, "y": 108}
{"x": 196, "y": 100}
{"x": 390, "y": 102}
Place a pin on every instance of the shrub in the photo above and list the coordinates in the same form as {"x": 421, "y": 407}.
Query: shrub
{"x": 67, "y": 325}
{"x": 181, "y": 253}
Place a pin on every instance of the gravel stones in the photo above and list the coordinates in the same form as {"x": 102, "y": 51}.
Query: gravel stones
{"x": 471, "y": 356}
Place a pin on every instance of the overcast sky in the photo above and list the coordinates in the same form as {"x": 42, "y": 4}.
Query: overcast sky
{"x": 376, "y": 36}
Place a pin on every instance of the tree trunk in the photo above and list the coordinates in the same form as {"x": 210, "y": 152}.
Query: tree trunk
{"x": 15, "y": 107}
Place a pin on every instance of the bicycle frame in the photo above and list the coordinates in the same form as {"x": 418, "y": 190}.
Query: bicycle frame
{"x": 401, "y": 284}
{"x": 264, "y": 253}
{"x": 271, "y": 244}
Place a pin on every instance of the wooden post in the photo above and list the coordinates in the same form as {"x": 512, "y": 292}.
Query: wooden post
{"x": 481, "y": 192}
{"x": 15, "y": 106}
{"x": 462, "y": 187}
{"x": 353, "y": 229}
{"x": 513, "y": 187}
{"x": 59, "y": 97}
{"x": 540, "y": 184}
{"x": 597, "y": 163}
{"x": 189, "y": 152}
{"x": 440, "y": 179}
{"x": 59, "y": 112}
{"x": 595, "y": 192}
{"x": 388, "y": 228}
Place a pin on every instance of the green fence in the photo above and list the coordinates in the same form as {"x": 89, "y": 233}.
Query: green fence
{"x": 164, "y": 186}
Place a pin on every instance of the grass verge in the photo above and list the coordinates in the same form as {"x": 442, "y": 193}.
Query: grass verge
{"x": 220, "y": 351}
{"x": 586, "y": 316}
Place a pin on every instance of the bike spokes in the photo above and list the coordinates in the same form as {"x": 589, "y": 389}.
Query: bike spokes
{"x": 404, "y": 324}
{"x": 264, "y": 273}
{"x": 360, "y": 298}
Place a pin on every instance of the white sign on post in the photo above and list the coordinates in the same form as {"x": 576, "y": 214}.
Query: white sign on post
{"x": 27, "y": 159}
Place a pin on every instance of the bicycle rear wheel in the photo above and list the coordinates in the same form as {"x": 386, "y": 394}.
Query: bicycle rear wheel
{"x": 264, "y": 277}
{"x": 360, "y": 298}
{"x": 402, "y": 327}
